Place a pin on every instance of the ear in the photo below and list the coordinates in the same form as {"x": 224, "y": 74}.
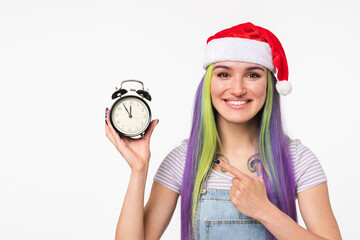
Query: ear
{"x": 144, "y": 94}
{"x": 118, "y": 93}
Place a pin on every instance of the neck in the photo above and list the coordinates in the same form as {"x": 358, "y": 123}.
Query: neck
{"x": 237, "y": 138}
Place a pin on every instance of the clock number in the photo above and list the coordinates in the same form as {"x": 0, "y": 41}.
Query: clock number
{"x": 131, "y": 102}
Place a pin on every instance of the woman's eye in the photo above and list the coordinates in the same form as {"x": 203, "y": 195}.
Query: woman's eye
{"x": 223, "y": 75}
{"x": 253, "y": 75}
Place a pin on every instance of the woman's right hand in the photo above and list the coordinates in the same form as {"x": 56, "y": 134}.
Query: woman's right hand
{"x": 135, "y": 151}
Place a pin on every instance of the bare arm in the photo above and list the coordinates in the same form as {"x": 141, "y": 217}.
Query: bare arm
{"x": 135, "y": 221}
{"x": 159, "y": 210}
{"x": 316, "y": 211}
{"x": 317, "y": 214}
{"x": 248, "y": 194}
{"x": 130, "y": 224}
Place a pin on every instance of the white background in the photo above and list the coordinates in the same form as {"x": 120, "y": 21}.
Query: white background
{"x": 60, "y": 178}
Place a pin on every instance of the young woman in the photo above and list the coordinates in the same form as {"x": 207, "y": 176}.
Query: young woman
{"x": 238, "y": 174}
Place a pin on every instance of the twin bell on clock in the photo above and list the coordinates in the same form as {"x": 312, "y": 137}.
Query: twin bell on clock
{"x": 130, "y": 115}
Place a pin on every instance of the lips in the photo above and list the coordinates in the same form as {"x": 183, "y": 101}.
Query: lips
{"x": 238, "y": 103}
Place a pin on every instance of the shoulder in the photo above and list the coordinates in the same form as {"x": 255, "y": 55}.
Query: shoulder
{"x": 177, "y": 156}
{"x": 308, "y": 171}
{"x": 178, "y": 153}
{"x": 171, "y": 169}
{"x": 300, "y": 152}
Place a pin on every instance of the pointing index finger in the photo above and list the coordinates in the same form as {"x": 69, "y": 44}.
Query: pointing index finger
{"x": 233, "y": 170}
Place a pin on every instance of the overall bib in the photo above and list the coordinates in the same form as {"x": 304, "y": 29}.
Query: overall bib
{"x": 217, "y": 218}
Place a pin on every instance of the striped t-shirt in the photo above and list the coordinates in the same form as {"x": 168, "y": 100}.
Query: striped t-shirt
{"x": 307, "y": 169}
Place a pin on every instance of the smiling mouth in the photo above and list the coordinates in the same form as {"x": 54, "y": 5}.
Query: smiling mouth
{"x": 238, "y": 102}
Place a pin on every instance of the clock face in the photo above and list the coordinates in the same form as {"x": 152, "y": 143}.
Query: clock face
{"x": 130, "y": 116}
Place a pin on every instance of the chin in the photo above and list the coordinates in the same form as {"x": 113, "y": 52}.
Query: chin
{"x": 237, "y": 120}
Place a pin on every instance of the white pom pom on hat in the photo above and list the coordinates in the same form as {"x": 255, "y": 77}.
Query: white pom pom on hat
{"x": 249, "y": 43}
{"x": 283, "y": 87}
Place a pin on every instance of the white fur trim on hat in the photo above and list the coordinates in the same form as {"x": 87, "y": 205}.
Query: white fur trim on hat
{"x": 238, "y": 49}
{"x": 283, "y": 87}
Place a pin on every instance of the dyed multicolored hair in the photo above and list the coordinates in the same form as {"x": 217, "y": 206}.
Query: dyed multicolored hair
{"x": 277, "y": 170}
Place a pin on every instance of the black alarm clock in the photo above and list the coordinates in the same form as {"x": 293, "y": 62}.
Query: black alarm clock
{"x": 130, "y": 115}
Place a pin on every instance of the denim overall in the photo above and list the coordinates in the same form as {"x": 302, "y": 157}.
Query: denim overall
{"x": 217, "y": 218}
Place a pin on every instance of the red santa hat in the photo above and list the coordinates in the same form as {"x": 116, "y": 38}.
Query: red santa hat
{"x": 249, "y": 43}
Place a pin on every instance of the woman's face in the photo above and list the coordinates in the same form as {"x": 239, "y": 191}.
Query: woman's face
{"x": 238, "y": 90}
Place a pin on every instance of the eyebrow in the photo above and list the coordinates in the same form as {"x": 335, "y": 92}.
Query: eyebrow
{"x": 248, "y": 69}
{"x": 255, "y": 67}
{"x": 222, "y": 66}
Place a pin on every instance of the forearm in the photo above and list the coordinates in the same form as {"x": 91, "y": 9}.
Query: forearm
{"x": 284, "y": 227}
{"x": 131, "y": 220}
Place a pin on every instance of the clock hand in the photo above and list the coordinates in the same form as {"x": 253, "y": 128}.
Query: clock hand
{"x": 127, "y": 110}
{"x": 130, "y": 112}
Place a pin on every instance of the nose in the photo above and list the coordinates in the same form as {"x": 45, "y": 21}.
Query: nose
{"x": 238, "y": 87}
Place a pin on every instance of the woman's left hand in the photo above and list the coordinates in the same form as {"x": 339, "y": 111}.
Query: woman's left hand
{"x": 248, "y": 194}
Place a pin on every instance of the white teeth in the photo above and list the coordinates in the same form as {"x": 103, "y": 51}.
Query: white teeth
{"x": 237, "y": 102}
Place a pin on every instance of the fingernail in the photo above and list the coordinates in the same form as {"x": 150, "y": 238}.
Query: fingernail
{"x": 216, "y": 161}
{"x": 106, "y": 122}
{"x": 158, "y": 122}
{"x": 106, "y": 110}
